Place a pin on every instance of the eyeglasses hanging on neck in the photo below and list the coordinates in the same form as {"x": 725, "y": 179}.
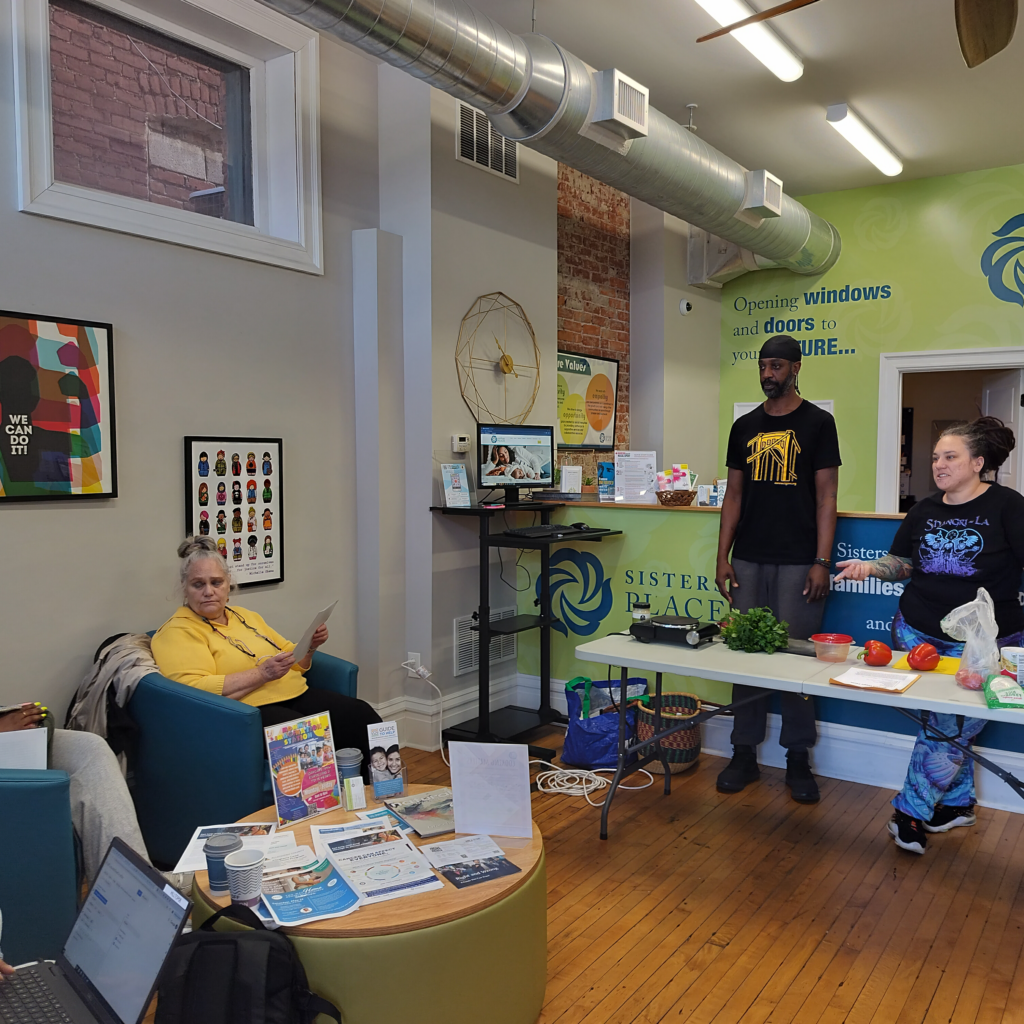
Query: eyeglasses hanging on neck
{"x": 241, "y": 645}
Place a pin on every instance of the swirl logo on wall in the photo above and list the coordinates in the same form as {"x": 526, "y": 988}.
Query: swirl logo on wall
{"x": 580, "y": 595}
{"x": 1001, "y": 262}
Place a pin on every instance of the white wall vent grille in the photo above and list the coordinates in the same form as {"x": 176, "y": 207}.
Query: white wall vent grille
{"x": 477, "y": 143}
{"x": 632, "y": 103}
{"x": 467, "y": 646}
{"x": 620, "y": 104}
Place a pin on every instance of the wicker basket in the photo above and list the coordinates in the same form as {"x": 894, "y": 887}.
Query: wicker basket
{"x": 676, "y": 499}
{"x": 682, "y": 748}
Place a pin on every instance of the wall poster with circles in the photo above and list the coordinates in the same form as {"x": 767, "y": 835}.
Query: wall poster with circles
{"x": 234, "y": 495}
{"x": 587, "y": 398}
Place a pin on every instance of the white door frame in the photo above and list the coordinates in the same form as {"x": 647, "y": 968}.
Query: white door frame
{"x": 891, "y": 367}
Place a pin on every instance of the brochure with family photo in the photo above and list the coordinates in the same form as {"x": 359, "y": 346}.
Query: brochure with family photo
{"x": 469, "y": 860}
{"x": 429, "y": 814}
{"x": 301, "y": 893}
{"x": 305, "y": 776}
{"x": 386, "y": 774}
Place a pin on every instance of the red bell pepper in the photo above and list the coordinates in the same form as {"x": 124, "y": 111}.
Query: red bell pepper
{"x": 876, "y": 653}
{"x": 923, "y": 658}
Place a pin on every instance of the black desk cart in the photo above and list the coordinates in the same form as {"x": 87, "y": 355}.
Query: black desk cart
{"x": 510, "y": 724}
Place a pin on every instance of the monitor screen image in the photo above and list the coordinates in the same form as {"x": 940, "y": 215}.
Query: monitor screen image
{"x": 511, "y": 455}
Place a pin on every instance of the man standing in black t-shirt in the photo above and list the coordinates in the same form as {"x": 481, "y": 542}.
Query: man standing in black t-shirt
{"x": 779, "y": 520}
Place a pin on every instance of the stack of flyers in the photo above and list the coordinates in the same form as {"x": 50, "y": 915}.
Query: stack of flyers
{"x": 375, "y": 835}
{"x": 469, "y": 860}
{"x": 305, "y": 776}
{"x": 430, "y": 813}
{"x": 322, "y": 834}
{"x": 256, "y": 835}
{"x": 384, "y": 871}
{"x": 389, "y": 818}
{"x": 298, "y": 890}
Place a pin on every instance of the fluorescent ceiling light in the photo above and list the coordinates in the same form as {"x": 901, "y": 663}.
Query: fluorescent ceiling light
{"x": 759, "y": 39}
{"x": 862, "y": 138}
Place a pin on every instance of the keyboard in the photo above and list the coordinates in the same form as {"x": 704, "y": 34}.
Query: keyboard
{"x": 25, "y": 998}
{"x": 538, "y": 531}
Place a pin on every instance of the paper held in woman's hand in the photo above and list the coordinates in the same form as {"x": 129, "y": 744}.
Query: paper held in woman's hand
{"x": 302, "y": 647}
{"x": 876, "y": 679}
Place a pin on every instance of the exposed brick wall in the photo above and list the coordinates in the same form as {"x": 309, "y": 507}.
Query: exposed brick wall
{"x": 118, "y": 127}
{"x": 593, "y": 287}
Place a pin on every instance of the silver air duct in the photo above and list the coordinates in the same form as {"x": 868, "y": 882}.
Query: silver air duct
{"x": 539, "y": 94}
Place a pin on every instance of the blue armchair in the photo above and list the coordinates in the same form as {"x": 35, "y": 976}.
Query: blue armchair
{"x": 38, "y": 890}
{"x": 200, "y": 757}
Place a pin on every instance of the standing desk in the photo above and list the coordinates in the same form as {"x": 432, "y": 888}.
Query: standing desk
{"x": 790, "y": 672}
{"x": 511, "y": 723}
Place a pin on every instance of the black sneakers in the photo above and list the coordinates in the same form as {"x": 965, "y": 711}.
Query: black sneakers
{"x": 801, "y": 782}
{"x": 908, "y": 832}
{"x": 946, "y": 818}
{"x": 740, "y": 770}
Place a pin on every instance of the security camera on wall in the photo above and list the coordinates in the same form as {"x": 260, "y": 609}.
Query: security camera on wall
{"x": 685, "y": 306}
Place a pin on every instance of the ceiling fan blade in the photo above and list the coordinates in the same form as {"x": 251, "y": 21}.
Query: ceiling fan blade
{"x": 984, "y": 27}
{"x": 772, "y": 12}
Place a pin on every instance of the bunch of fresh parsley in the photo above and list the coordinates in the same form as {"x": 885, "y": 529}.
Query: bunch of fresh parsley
{"x": 756, "y": 630}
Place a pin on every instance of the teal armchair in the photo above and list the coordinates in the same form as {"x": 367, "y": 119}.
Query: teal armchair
{"x": 201, "y": 757}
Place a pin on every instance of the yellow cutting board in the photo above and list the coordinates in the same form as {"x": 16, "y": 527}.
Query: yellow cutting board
{"x": 947, "y": 666}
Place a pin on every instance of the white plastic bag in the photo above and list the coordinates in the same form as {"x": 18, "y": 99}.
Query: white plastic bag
{"x": 975, "y": 623}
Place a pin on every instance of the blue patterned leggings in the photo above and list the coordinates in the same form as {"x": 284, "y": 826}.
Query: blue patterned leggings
{"x": 938, "y": 772}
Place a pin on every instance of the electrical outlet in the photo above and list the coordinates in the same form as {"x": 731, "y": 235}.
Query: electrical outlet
{"x": 412, "y": 663}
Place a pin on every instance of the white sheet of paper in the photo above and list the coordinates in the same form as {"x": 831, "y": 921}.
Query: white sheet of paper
{"x": 877, "y": 679}
{"x": 491, "y": 788}
{"x": 302, "y": 647}
{"x": 636, "y": 478}
{"x": 321, "y": 835}
{"x": 25, "y": 748}
{"x": 194, "y": 859}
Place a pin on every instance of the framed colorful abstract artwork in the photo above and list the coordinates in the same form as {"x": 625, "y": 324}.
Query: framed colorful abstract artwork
{"x": 56, "y": 409}
{"x": 233, "y": 494}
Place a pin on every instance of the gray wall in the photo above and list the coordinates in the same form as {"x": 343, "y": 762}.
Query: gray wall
{"x": 203, "y": 344}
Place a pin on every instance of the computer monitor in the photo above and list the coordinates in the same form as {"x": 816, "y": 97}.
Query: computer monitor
{"x": 511, "y": 456}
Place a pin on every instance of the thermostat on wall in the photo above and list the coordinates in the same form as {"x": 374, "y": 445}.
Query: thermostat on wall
{"x": 460, "y": 442}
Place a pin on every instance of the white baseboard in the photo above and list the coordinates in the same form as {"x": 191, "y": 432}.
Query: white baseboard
{"x": 868, "y": 756}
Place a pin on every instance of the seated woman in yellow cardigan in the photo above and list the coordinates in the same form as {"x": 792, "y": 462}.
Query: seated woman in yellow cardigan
{"x": 233, "y": 652}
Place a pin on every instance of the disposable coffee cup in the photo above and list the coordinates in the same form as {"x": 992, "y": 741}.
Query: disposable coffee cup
{"x": 245, "y": 876}
{"x": 349, "y": 761}
{"x": 216, "y": 849}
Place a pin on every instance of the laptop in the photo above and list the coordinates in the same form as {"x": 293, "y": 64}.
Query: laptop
{"x": 108, "y": 969}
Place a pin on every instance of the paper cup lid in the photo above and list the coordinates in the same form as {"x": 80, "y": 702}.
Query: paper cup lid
{"x": 349, "y": 754}
{"x": 223, "y": 843}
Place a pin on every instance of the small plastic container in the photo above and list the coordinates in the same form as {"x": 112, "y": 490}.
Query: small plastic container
{"x": 832, "y": 646}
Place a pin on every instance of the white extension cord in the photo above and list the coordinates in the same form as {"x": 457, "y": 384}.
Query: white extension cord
{"x": 566, "y": 781}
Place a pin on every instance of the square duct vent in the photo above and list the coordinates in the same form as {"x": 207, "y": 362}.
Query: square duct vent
{"x": 622, "y": 104}
{"x": 467, "y": 642}
{"x": 478, "y": 143}
{"x": 763, "y": 195}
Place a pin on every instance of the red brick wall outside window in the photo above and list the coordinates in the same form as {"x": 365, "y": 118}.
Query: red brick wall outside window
{"x": 137, "y": 118}
{"x": 593, "y": 288}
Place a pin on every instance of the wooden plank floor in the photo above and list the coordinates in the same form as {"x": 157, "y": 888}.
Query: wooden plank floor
{"x": 753, "y": 909}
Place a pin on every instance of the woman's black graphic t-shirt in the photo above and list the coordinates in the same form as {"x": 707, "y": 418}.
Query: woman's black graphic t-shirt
{"x": 778, "y": 456}
{"x": 958, "y": 548}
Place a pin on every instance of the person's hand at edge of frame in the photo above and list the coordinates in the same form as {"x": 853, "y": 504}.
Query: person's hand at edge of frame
{"x": 5, "y": 970}
{"x": 29, "y": 716}
{"x": 816, "y": 584}
{"x": 725, "y": 573}
{"x": 853, "y": 569}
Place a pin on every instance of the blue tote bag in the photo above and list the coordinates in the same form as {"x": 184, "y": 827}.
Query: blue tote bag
{"x": 593, "y": 742}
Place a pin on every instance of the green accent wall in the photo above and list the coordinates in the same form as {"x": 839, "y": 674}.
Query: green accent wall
{"x": 920, "y": 243}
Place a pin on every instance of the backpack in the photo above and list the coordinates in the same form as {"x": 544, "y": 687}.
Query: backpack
{"x": 250, "y": 977}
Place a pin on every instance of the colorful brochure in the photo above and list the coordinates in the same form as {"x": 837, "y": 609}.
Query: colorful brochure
{"x": 301, "y": 893}
{"x": 301, "y": 755}
{"x": 386, "y": 773}
{"x": 469, "y": 860}
{"x": 430, "y": 813}
{"x": 456, "y": 485}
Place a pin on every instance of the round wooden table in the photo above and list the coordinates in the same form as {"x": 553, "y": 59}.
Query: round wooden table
{"x": 446, "y": 956}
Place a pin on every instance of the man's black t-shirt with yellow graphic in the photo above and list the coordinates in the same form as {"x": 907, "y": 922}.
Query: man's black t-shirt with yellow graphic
{"x": 778, "y": 456}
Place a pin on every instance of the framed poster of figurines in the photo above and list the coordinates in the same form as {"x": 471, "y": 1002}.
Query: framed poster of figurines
{"x": 233, "y": 493}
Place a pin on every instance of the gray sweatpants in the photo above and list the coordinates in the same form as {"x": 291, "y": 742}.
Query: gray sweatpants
{"x": 779, "y": 587}
{"x": 101, "y": 806}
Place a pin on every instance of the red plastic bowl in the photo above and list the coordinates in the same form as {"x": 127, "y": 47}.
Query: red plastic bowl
{"x": 832, "y": 646}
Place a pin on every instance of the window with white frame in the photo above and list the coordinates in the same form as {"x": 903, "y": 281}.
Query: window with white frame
{"x": 192, "y": 121}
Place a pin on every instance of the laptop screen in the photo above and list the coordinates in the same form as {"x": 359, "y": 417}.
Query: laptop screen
{"x": 123, "y": 933}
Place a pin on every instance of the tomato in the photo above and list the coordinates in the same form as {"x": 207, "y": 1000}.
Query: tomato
{"x": 876, "y": 653}
{"x": 923, "y": 658}
{"x": 970, "y": 680}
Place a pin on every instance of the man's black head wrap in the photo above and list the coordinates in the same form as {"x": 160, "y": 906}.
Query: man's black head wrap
{"x": 782, "y": 346}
